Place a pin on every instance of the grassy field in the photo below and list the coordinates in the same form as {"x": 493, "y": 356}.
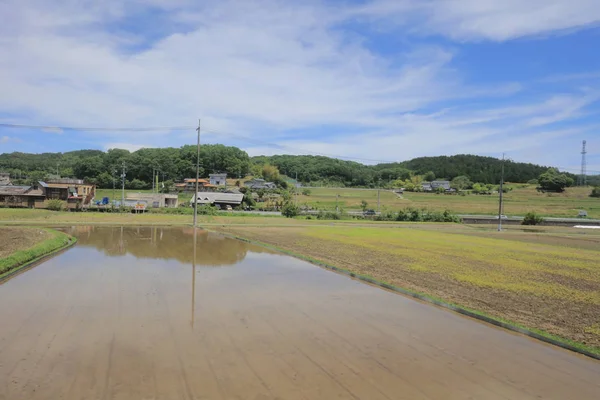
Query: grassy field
{"x": 517, "y": 202}
{"x": 546, "y": 279}
{"x": 21, "y": 245}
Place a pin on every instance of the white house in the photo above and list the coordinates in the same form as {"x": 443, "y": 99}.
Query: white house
{"x": 217, "y": 198}
{"x": 218, "y": 179}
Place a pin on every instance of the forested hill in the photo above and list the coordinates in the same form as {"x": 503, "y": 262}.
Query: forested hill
{"x": 477, "y": 168}
{"x": 332, "y": 171}
{"x": 176, "y": 164}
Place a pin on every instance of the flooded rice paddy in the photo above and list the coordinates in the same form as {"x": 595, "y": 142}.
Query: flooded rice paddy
{"x": 151, "y": 313}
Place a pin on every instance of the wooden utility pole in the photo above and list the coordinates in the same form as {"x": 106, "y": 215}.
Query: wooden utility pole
{"x": 197, "y": 178}
{"x": 501, "y": 191}
{"x": 123, "y": 186}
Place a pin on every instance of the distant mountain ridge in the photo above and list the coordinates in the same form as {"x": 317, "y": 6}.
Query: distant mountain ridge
{"x": 178, "y": 163}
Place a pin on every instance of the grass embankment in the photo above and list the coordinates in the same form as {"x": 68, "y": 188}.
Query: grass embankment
{"x": 549, "y": 280}
{"x": 521, "y": 200}
{"x": 25, "y": 216}
{"x": 23, "y": 245}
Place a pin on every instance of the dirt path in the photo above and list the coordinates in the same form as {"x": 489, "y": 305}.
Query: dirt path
{"x": 92, "y": 325}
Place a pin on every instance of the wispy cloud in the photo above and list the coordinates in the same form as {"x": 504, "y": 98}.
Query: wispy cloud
{"x": 301, "y": 75}
{"x": 483, "y": 19}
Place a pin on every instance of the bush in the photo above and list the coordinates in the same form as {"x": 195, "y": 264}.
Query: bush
{"x": 207, "y": 210}
{"x": 55, "y": 205}
{"x": 554, "y": 181}
{"x": 531, "y": 218}
{"x": 415, "y": 215}
{"x": 306, "y": 192}
{"x": 328, "y": 215}
{"x": 595, "y": 192}
{"x": 290, "y": 210}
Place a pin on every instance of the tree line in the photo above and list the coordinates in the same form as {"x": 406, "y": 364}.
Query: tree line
{"x": 175, "y": 164}
{"x": 105, "y": 168}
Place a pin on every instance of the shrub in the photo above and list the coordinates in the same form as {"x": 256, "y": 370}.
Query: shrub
{"x": 55, "y": 205}
{"x": 306, "y": 192}
{"x": 328, "y": 215}
{"x": 207, "y": 210}
{"x": 531, "y": 218}
{"x": 595, "y": 192}
{"x": 290, "y": 210}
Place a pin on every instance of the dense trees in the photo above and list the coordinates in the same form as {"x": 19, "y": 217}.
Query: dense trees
{"x": 477, "y": 168}
{"x": 461, "y": 182}
{"x": 103, "y": 168}
{"x": 553, "y": 180}
{"x": 175, "y": 164}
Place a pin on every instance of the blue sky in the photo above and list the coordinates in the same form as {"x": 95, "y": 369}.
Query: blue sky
{"x": 369, "y": 80}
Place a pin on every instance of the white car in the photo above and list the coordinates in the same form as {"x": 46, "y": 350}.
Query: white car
{"x": 501, "y": 217}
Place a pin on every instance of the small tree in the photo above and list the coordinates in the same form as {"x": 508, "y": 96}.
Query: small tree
{"x": 595, "y": 192}
{"x": 306, "y": 192}
{"x": 554, "y": 181}
{"x": 461, "y": 183}
{"x": 429, "y": 176}
{"x": 270, "y": 172}
{"x": 531, "y": 218}
{"x": 364, "y": 205}
{"x": 289, "y": 210}
{"x": 440, "y": 190}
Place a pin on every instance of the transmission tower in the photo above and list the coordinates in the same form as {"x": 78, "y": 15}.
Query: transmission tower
{"x": 583, "y": 176}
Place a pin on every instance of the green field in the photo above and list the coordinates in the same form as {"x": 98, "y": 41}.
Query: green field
{"x": 516, "y": 203}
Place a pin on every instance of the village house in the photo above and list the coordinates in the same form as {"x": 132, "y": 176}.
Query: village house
{"x": 434, "y": 185}
{"x": 218, "y": 199}
{"x": 189, "y": 185}
{"x": 74, "y": 192}
{"x": 154, "y": 200}
{"x": 218, "y": 179}
{"x": 22, "y": 196}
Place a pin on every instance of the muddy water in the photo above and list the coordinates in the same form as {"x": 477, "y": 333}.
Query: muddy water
{"x": 143, "y": 313}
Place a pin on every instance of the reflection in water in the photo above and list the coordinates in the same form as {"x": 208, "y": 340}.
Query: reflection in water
{"x": 164, "y": 243}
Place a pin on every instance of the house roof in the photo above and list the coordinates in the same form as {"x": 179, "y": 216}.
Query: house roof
{"x": 219, "y": 174}
{"x": 13, "y": 190}
{"x": 218, "y": 197}
{"x": 194, "y": 180}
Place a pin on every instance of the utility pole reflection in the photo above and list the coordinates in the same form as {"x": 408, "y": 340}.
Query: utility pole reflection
{"x": 194, "y": 280}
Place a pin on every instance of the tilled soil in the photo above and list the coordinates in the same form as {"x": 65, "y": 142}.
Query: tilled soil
{"x": 13, "y": 239}
{"x": 568, "y": 319}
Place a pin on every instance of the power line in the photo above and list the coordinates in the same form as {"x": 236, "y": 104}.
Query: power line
{"x": 96, "y": 129}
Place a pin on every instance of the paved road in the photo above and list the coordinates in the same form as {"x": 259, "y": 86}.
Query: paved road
{"x": 116, "y": 318}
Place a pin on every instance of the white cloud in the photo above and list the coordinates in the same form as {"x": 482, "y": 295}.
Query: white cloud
{"x": 263, "y": 68}
{"x": 4, "y": 139}
{"x": 496, "y": 20}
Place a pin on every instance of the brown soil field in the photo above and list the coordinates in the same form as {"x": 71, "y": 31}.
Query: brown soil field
{"x": 547, "y": 281}
{"x": 17, "y": 238}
